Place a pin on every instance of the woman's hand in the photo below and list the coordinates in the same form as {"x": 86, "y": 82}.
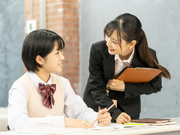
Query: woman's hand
{"x": 104, "y": 118}
{"x": 115, "y": 84}
{"x": 123, "y": 118}
{"x": 77, "y": 123}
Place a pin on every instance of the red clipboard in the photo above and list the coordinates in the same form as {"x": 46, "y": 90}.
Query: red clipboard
{"x": 138, "y": 75}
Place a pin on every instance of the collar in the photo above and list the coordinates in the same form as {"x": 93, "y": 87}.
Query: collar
{"x": 35, "y": 78}
{"x": 128, "y": 60}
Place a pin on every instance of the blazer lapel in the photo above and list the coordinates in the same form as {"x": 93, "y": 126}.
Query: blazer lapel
{"x": 109, "y": 66}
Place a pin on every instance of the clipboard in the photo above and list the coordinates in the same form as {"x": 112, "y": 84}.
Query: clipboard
{"x": 138, "y": 74}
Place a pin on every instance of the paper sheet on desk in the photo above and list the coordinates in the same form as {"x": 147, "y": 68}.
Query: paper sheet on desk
{"x": 100, "y": 127}
{"x": 116, "y": 126}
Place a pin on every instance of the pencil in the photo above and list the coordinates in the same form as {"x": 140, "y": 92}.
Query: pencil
{"x": 106, "y": 111}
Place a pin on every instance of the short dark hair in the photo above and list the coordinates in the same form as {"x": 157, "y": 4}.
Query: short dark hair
{"x": 39, "y": 42}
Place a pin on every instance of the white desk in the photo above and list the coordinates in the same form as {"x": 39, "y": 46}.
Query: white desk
{"x": 126, "y": 131}
{"x": 3, "y": 119}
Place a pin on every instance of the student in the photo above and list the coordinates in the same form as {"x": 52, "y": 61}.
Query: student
{"x": 125, "y": 45}
{"x": 35, "y": 102}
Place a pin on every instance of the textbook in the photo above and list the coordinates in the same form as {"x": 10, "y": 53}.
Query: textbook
{"x": 154, "y": 122}
{"x": 138, "y": 74}
{"x": 151, "y": 120}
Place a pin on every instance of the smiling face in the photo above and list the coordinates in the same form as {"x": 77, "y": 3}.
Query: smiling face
{"x": 53, "y": 62}
{"x": 114, "y": 46}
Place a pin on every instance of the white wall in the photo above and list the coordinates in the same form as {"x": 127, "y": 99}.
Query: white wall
{"x": 161, "y": 22}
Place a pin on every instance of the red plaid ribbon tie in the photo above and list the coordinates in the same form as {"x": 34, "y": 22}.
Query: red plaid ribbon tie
{"x": 47, "y": 92}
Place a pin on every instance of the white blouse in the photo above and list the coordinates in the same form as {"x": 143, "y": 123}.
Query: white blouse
{"x": 121, "y": 64}
{"x": 74, "y": 107}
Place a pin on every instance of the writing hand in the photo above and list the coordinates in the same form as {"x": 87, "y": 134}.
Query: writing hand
{"x": 104, "y": 118}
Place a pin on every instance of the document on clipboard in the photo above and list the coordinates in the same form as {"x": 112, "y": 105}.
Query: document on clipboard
{"x": 138, "y": 74}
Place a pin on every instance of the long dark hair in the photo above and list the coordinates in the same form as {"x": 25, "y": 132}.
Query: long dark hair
{"x": 129, "y": 28}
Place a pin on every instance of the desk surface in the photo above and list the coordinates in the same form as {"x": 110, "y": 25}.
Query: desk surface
{"x": 3, "y": 119}
{"x": 155, "y": 130}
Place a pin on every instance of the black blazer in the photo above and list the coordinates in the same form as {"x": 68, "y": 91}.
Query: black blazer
{"x": 101, "y": 68}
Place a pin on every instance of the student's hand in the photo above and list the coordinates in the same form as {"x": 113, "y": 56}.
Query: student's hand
{"x": 104, "y": 118}
{"x": 115, "y": 84}
{"x": 123, "y": 118}
{"x": 77, "y": 123}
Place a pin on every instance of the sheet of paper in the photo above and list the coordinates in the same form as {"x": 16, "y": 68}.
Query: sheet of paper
{"x": 115, "y": 126}
{"x": 100, "y": 127}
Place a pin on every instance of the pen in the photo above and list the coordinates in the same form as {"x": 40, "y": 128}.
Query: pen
{"x": 106, "y": 111}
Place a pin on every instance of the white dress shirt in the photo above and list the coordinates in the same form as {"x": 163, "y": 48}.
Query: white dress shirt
{"x": 121, "y": 64}
{"x": 74, "y": 107}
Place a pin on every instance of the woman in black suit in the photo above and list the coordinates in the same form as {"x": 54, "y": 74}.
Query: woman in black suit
{"x": 125, "y": 45}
